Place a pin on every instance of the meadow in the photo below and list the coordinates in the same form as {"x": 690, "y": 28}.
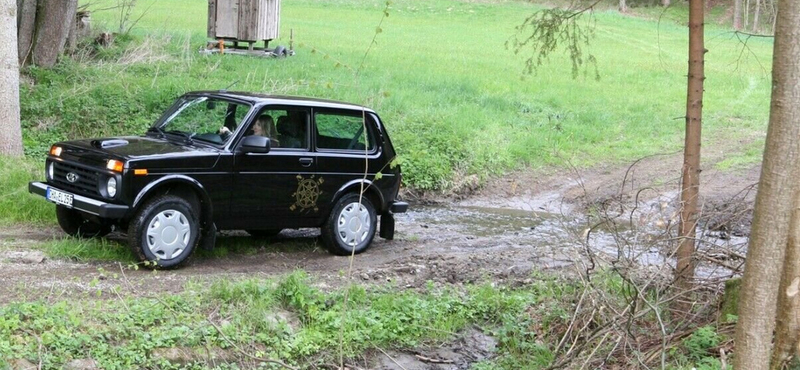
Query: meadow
{"x": 455, "y": 99}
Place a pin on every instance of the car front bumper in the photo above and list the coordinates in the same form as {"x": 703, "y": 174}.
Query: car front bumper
{"x": 83, "y": 204}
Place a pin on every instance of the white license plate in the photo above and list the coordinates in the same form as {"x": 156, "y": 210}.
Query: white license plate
{"x": 59, "y": 197}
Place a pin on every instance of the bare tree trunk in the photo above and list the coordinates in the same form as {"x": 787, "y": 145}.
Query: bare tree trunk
{"x": 691, "y": 155}
{"x": 756, "y": 16}
{"x": 10, "y": 132}
{"x": 55, "y": 20}
{"x": 665, "y": 3}
{"x": 787, "y": 325}
{"x": 776, "y": 190}
{"x": 25, "y": 29}
{"x": 746, "y": 13}
{"x": 623, "y": 6}
{"x": 737, "y": 14}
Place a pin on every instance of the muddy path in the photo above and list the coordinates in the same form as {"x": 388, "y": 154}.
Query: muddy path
{"x": 514, "y": 227}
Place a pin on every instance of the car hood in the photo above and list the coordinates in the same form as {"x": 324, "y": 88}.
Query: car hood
{"x": 140, "y": 148}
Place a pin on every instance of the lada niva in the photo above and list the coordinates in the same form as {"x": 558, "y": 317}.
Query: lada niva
{"x": 220, "y": 160}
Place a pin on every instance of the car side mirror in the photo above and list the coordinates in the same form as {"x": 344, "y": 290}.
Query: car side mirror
{"x": 255, "y": 144}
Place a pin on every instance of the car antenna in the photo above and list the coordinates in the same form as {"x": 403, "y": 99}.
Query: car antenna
{"x": 229, "y": 86}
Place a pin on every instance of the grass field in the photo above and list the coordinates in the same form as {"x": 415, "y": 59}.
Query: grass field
{"x": 457, "y": 104}
{"x": 454, "y": 98}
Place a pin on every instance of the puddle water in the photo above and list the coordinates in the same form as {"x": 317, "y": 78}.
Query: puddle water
{"x": 472, "y": 227}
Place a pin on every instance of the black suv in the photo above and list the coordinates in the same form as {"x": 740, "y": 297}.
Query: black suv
{"x": 228, "y": 160}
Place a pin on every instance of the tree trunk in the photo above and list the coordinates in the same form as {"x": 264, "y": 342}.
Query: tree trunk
{"x": 665, "y": 3}
{"x": 54, "y": 21}
{"x": 776, "y": 190}
{"x": 690, "y": 184}
{"x": 25, "y": 29}
{"x": 623, "y": 6}
{"x": 756, "y": 16}
{"x": 787, "y": 325}
{"x": 746, "y": 13}
{"x": 10, "y": 133}
{"x": 737, "y": 14}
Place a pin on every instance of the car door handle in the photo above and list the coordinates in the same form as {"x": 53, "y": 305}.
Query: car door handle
{"x": 306, "y": 162}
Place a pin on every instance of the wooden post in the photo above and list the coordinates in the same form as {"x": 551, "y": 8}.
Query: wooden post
{"x": 212, "y": 19}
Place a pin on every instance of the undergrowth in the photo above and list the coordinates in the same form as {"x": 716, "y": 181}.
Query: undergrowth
{"x": 292, "y": 320}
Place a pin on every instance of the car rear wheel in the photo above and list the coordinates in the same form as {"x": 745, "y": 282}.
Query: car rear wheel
{"x": 75, "y": 224}
{"x": 165, "y": 230}
{"x": 351, "y": 225}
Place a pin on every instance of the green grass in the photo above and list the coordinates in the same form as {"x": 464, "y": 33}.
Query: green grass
{"x": 100, "y": 249}
{"x": 749, "y": 154}
{"x": 123, "y": 333}
{"x": 454, "y": 99}
{"x": 16, "y": 204}
{"x": 290, "y": 319}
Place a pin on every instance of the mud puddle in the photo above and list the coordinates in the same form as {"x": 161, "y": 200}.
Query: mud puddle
{"x": 558, "y": 239}
{"x": 450, "y": 244}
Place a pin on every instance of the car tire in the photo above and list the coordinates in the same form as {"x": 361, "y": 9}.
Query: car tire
{"x": 264, "y": 233}
{"x": 351, "y": 226}
{"x": 165, "y": 230}
{"x": 75, "y": 224}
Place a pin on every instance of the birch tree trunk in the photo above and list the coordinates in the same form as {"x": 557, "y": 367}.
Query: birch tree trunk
{"x": 737, "y": 14}
{"x": 756, "y": 16}
{"x": 623, "y": 6}
{"x": 665, "y": 3}
{"x": 776, "y": 190}
{"x": 10, "y": 133}
{"x": 691, "y": 155}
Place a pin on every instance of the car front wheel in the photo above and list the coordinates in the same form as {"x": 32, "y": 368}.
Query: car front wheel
{"x": 165, "y": 230}
{"x": 350, "y": 227}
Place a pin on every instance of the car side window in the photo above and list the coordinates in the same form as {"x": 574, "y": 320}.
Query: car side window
{"x": 340, "y": 131}
{"x": 288, "y": 128}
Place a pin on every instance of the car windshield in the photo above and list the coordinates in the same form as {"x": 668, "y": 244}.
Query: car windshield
{"x": 201, "y": 118}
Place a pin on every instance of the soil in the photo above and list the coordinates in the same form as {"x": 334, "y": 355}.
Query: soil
{"x": 514, "y": 226}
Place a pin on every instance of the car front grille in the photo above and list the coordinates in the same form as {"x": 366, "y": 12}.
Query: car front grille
{"x": 85, "y": 181}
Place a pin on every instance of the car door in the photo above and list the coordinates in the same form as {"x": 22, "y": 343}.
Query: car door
{"x": 266, "y": 192}
{"x": 345, "y": 144}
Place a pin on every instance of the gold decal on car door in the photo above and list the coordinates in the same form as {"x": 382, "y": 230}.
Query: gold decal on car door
{"x": 307, "y": 193}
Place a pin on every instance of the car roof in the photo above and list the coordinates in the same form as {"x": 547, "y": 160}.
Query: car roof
{"x": 256, "y": 98}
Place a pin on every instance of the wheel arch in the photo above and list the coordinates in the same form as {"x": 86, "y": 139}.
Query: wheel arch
{"x": 178, "y": 184}
{"x": 371, "y": 192}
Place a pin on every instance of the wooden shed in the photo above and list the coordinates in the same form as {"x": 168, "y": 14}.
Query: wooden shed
{"x": 244, "y": 20}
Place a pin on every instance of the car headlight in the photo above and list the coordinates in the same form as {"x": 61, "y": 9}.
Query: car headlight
{"x": 50, "y": 171}
{"x": 111, "y": 187}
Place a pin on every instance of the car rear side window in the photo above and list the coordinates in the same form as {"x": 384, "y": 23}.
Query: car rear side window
{"x": 341, "y": 131}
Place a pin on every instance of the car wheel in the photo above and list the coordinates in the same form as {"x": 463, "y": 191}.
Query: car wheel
{"x": 264, "y": 233}
{"x": 75, "y": 224}
{"x": 165, "y": 230}
{"x": 351, "y": 226}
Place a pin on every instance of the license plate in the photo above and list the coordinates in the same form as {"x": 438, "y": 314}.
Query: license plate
{"x": 59, "y": 197}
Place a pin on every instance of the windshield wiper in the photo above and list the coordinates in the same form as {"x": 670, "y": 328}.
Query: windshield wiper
{"x": 158, "y": 131}
{"x": 184, "y": 135}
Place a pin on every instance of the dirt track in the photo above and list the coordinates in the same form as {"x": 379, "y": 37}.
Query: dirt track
{"x": 513, "y": 226}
